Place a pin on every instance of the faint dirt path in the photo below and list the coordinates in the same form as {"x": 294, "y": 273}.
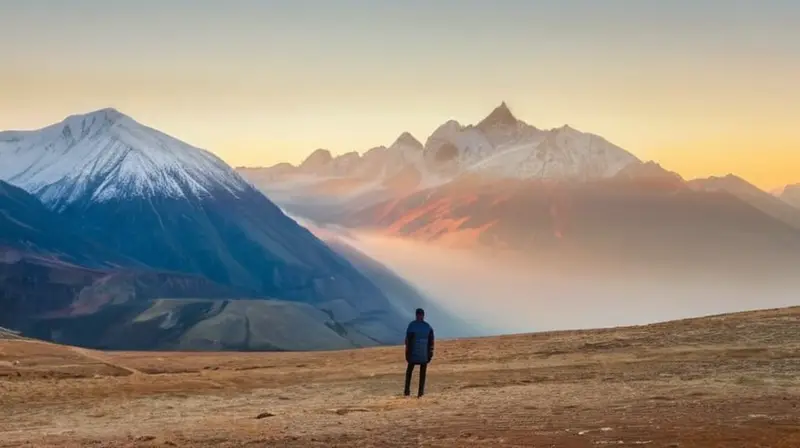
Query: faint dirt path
{"x": 97, "y": 356}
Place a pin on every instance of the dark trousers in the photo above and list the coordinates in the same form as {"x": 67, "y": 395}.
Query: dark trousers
{"x": 423, "y": 369}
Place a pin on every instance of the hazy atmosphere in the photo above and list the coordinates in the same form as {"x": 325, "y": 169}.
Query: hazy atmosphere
{"x": 501, "y": 295}
{"x": 399, "y": 223}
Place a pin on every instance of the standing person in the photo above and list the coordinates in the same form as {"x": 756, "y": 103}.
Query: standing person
{"x": 419, "y": 350}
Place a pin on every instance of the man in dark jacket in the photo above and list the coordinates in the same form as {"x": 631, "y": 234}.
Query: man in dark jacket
{"x": 419, "y": 350}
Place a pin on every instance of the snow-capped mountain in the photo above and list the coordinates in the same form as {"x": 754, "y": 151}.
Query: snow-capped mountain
{"x": 500, "y": 146}
{"x": 107, "y": 155}
{"x": 503, "y": 146}
{"x": 173, "y": 207}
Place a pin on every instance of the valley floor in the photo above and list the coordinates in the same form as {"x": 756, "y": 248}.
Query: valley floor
{"x": 724, "y": 381}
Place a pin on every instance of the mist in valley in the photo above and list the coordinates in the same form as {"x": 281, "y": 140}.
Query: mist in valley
{"x": 495, "y": 294}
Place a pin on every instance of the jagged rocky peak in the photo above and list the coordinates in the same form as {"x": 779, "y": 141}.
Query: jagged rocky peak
{"x": 317, "y": 159}
{"x": 406, "y": 139}
{"x": 500, "y": 116}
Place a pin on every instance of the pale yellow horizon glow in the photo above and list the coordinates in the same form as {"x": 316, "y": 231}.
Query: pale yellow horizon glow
{"x": 705, "y": 88}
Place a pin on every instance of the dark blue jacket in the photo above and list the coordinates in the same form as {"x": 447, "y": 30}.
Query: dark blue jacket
{"x": 419, "y": 342}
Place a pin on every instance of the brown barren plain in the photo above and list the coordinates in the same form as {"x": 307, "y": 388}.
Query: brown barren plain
{"x": 723, "y": 381}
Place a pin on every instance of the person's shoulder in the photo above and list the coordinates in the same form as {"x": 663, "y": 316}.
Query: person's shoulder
{"x": 418, "y": 326}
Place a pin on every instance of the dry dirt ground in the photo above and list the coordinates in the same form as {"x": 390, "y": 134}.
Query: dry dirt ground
{"x": 724, "y": 381}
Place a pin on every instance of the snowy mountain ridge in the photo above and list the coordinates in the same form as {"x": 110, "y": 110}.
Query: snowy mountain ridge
{"x": 500, "y": 145}
{"x": 107, "y": 154}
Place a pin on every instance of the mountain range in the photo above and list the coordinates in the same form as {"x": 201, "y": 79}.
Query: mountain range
{"x": 102, "y": 196}
{"x": 115, "y": 235}
{"x": 498, "y": 147}
{"x": 561, "y": 195}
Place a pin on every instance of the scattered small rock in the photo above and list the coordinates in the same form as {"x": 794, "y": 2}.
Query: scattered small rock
{"x": 264, "y": 415}
{"x": 145, "y": 438}
{"x": 344, "y": 411}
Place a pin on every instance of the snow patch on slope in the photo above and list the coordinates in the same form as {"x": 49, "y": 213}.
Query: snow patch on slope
{"x": 563, "y": 153}
{"x": 108, "y": 155}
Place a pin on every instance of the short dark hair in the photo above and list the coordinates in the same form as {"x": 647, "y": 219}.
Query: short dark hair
{"x": 420, "y": 311}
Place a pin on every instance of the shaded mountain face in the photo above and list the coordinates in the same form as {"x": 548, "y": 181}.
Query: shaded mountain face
{"x": 243, "y": 241}
{"x": 174, "y": 207}
{"x": 500, "y": 146}
{"x": 596, "y": 225}
{"x": 766, "y": 202}
{"x": 48, "y": 267}
{"x": 28, "y": 227}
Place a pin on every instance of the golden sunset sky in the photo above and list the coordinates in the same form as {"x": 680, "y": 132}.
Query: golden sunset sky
{"x": 703, "y": 87}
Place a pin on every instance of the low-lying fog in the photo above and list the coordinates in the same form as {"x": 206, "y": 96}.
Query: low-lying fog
{"x": 505, "y": 296}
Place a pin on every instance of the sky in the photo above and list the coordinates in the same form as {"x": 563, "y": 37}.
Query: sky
{"x": 704, "y": 87}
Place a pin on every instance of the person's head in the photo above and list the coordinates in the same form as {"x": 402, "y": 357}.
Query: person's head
{"x": 420, "y": 314}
